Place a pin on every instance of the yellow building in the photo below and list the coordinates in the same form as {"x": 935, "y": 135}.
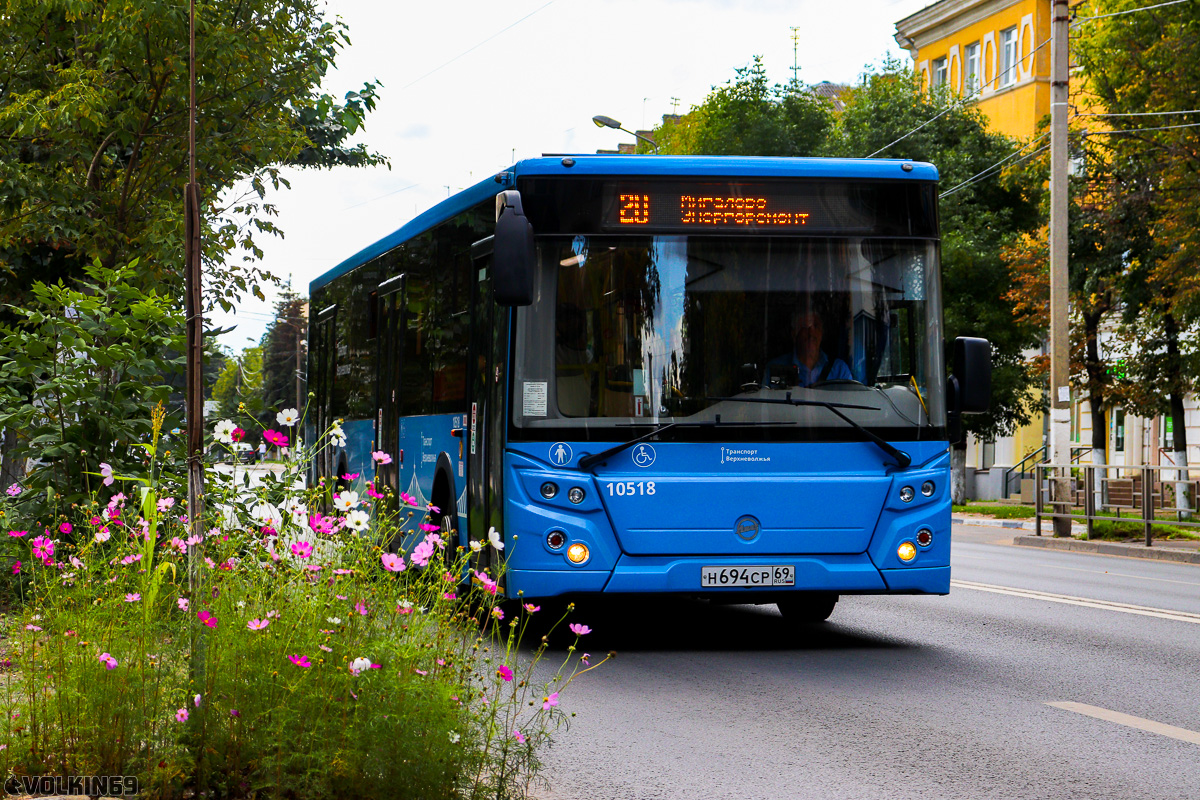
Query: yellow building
{"x": 995, "y": 50}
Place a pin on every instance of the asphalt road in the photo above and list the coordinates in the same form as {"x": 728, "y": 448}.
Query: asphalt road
{"x": 902, "y": 697}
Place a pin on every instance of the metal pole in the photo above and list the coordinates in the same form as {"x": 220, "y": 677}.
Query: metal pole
{"x": 1089, "y": 499}
{"x": 1148, "y": 503}
{"x": 1037, "y": 498}
{"x": 1060, "y": 393}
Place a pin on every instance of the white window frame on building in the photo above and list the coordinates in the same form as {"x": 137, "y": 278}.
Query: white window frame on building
{"x": 939, "y": 72}
{"x": 972, "y": 72}
{"x": 1008, "y": 56}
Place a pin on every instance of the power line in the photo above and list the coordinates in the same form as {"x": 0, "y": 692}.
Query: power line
{"x": 1137, "y": 113}
{"x": 477, "y": 46}
{"x": 1139, "y": 130}
{"x": 1131, "y": 10}
{"x": 961, "y": 101}
{"x": 996, "y": 167}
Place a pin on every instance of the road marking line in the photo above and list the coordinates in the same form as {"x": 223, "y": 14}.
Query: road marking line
{"x": 1145, "y": 611}
{"x": 1183, "y": 734}
{"x": 1125, "y": 575}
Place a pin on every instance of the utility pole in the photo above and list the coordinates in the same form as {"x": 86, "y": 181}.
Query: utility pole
{"x": 1060, "y": 351}
{"x": 795, "y": 54}
{"x": 195, "y": 318}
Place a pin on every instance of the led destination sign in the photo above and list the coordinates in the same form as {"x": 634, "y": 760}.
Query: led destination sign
{"x": 731, "y": 207}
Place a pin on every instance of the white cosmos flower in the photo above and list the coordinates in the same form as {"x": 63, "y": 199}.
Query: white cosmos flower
{"x": 334, "y": 620}
{"x": 345, "y": 501}
{"x": 288, "y": 417}
{"x": 454, "y": 737}
{"x": 359, "y": 664}
{"x": 337, "y": 436}
{"x": 223, "y": 433}
{"x": 357, "y": 520}
{"x": 494, "y": 538}
{"x": 476, "y": 545}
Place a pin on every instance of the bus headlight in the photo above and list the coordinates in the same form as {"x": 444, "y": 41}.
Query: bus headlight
{"x": 906, "y": 552}
{"x": 907, "y": 494}
{"x": 575, "y": 495}
{"x": 578, "y": 553}
{"x": 549, "y": 489}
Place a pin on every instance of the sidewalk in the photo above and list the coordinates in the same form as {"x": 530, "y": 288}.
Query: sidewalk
{"x": 1186, "y": 551}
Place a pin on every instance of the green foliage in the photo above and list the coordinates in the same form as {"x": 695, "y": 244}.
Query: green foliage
{"x": 93, "y": 132}
{"x": 238, "y": 389}
{"x": 284, "y": 353}
{"x": 301, "y": 658}
{"x": 80, "y": 370}
{"x": 750, "y": 117}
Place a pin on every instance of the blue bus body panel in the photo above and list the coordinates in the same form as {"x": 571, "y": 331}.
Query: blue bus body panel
{"x": 422, "y": 442}
{"x": 651, "y": 166}
{"x": 831, "y": 510}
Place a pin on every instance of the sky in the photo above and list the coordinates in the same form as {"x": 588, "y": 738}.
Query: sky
{"x": 470, "y": 86}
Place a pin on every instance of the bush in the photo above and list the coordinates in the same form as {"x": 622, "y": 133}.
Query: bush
{"x": 277, "y": 652}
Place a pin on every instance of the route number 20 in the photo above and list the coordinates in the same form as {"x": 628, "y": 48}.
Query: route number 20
{"x": 630, "y": 488}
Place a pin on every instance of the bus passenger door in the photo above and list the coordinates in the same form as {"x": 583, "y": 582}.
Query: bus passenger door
{"x": 484, "y": 434}
{"x": 389, "y": 351}
{"x": 324, "y": 366}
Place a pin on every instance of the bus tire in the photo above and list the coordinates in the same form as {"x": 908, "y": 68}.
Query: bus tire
{"x": 807, "y": 607}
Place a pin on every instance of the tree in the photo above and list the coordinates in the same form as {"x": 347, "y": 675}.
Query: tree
{"x": 750, "y": 117}
{"x": 284, "y": 354}
{"x": 239, "y": 387}
{"x": 978, "y": 219}
{"x": 1156, "y": 166}
{"x": 93, "y": 132}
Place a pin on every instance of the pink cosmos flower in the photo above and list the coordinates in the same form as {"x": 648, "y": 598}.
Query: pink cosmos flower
{"x": 32, "y": 627}
{"x": 18, "y": 533}
{"x": 579, "y": 630}
{"x": 392, "y": 562}
{"x": 194, "y": 539}
{"x": 361, "y": 609}
{"x": 550, "y": 702}
{"x": 182, "y": 603}
{"x": 131, "y": 559}
{"x": 489, "y": 585}
{"x": 233, "y": 712}
{"x": 132, "y": 597}
{"x": 258, "y": 624}
{"x": 65, "y": 528}
{"x": 165, "y": 503}
{"x": 530, "y": 607}
{"x": 108, "y": 661}
{"x": 43, "y": 548}
{"x": 520, "y": 737}
{"x": 584, "y": 658}
{"x": 498, "y": 612}
{"x": 407, "y": 498}
{"x": 450, "y": 596}
{"x": 380, "y": 457}
{"x": 196, "y": 701}
{"x": 272, "y": 614}
{"x": 300, "y": 661}
{"x": 434, "y": 509}
{"x": 422, "y": 553}
{"x": 106, "y": 473}
{"x": 326, "y": 649}
{"x": 181, "y": 715}
{"x": 349, "y": 476}
{"x": 302, "y": 549}
{"x": 238, "y": 434}
{"x": 14, "y": 490}
{"x": 16, "y": 568}
{"x": 207, "y": 618}
{"x": 371, "y": 491}
{"x": 275, "y": 438}
{"x": 504, "y": 672}
{"x": 428, "y": 528}
{"x": 102, "y": 535}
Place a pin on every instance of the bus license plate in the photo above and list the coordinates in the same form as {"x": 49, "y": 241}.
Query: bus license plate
{"x": 748, "y": 576}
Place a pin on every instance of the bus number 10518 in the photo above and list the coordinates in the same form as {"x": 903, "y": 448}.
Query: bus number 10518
{"x": 630, "y": 488}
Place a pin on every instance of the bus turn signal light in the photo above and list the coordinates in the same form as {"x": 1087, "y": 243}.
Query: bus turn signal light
{"x": 577, "y": 553}
{"x": 906, "y": 552}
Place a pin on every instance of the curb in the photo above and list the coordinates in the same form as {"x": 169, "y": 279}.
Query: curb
{"x": 1017, "y": 524}
{"x": 1110, "y": 549}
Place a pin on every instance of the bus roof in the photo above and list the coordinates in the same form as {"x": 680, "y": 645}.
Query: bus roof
{"x": 622, "y": 165}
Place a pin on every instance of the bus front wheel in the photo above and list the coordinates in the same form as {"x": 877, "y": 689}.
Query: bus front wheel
{"x": 808, "y": 606}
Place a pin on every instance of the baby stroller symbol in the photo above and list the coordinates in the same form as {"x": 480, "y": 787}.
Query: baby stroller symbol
{"x": 643, "y": 455}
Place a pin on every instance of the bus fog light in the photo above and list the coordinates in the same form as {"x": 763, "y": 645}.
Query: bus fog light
{"x": 575, "y": 495}
{"x": 549, "y": 489}
{"x": 577, "y": 553}
{"x": 906, "y": 552}
{"x": 555, "y": 540}
{"x": 927, "y": 488}
{"x": 907, "y": 494}
{"x": 924, "y": 537}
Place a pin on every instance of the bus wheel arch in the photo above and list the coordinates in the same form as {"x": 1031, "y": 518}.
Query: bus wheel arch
{"x": 444, "y": 496}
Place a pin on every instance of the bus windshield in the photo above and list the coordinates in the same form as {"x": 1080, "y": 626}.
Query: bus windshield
{"x": 731, "y": 331}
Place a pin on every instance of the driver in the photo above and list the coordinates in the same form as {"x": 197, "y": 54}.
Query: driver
{"x": 811, "y": 362}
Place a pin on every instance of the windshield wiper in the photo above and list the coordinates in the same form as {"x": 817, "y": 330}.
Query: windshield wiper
{"x": 588, "y": 460}
{"x": 901, "y": 457}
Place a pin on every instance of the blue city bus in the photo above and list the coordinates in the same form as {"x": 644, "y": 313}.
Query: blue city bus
{"x": 706, "y": 376}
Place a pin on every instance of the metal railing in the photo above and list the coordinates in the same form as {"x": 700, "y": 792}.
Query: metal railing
{"x": 1021, "y": 471}
{"x": 1144, "y": 489}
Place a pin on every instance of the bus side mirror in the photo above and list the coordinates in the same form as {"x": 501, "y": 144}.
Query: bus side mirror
{"x": 970, "y": 384}
{"x": 512, "y": 252}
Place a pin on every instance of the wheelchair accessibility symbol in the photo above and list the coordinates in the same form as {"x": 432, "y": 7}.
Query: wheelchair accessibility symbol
{"x": 643, "y": 455}
{"x": 560, "y": 453}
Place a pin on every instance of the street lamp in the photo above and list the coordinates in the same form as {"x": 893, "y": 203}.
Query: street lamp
{"x": 608, "y": 122}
